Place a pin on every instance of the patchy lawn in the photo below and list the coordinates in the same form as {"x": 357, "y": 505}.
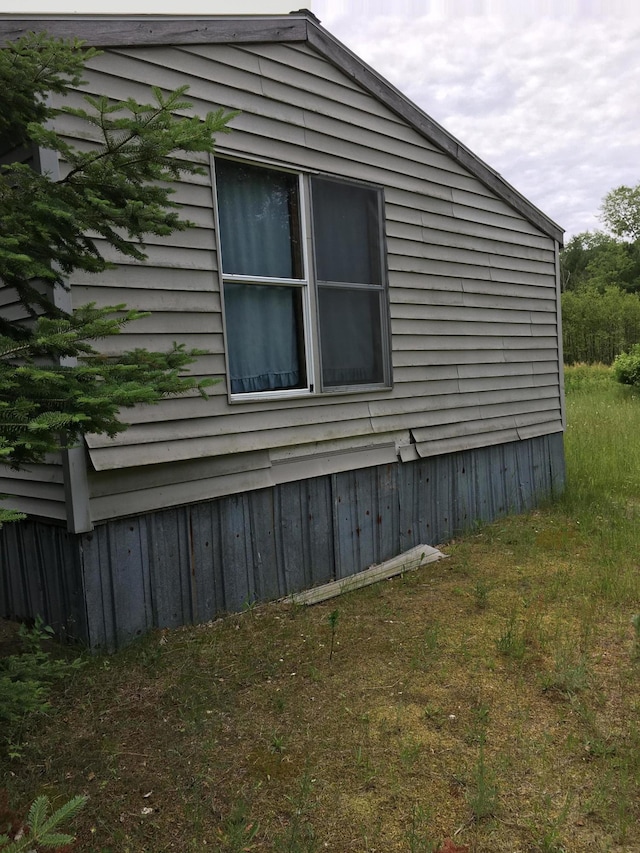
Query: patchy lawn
{"x": 492, "y": 698}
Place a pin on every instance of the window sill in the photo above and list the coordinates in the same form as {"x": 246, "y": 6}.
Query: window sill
{"x": 297, "y": 394}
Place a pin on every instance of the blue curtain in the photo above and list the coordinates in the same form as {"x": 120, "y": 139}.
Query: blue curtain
{"x": 260, "y": 236}
{"x": 263, "y": 343}
{"x": 257, "y": 209}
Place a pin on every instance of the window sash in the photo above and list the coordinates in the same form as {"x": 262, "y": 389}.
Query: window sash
{"x": 352, "y": 320}
{"x": 265, "y": 325}
{"x": 269, "y": 339}
{"x": 259, "y": 221}
{"x": 264, "y": 289}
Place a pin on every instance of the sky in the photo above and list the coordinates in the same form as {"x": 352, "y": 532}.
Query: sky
{"x": 544, "y": 91}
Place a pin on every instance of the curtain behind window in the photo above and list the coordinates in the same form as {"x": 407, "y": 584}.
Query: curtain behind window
{"x": 264, "y": 349}
{"x": 259, "y": 231}
{"x": 260, "y": 236}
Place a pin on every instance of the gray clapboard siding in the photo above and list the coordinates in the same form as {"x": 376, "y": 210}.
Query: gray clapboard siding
{"x": 125, "y": 497}
{"x": 434, "y": 253}
{"x": 457, "y": 253}
{"x": 456, "y": 414}
{"x": 273, "y": 430}
{"x": 160, "y": 300}
{"x": 162, "y": 255}
{"x": 424, "y": 312}
{"x": 241, "y": 72}
{"x": 404, "y": 224}
{"x": 37, "y": 490}
{"x": 448, "y": 404}
{"x": 449, "y": 224}
{"x": 408, "y": 374}
{"x": 505, "y": 344}
{"x": 436, "y": 432}
{"x": 444, "y": 292}
{"x": 442, "y": 355}
{"x": 477, "y": 273}
{"x": 415, "y": 386}
{"x": 487, "y": 329}
{"x": 148, "y": 278}
{"x": 471, "y": 288}
{"x": 443, "y": 207}
{"x": 43, "y": 502}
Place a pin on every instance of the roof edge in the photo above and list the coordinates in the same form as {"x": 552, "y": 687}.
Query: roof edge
{"x": 107, "y": 31}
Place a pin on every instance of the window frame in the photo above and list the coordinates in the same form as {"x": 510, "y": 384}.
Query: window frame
{"x": 309, "y": 287}
{"x": 381, "y": 289}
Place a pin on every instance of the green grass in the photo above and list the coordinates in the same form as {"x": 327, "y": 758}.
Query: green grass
{"x": 493, "y": 698}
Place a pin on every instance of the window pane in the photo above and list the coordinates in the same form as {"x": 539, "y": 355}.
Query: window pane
{"x": 264, "y": 337}
{"x": 346, "y": 228}
{"x": 351, "y": 336}
{"x": 259, "y": 221}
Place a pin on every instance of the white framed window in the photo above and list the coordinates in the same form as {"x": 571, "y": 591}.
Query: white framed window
{"x": 271, "y": 287}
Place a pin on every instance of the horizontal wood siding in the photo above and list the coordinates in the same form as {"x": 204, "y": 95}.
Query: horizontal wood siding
{"x": 38, "y": 490}
{"x": 472, "y": 286}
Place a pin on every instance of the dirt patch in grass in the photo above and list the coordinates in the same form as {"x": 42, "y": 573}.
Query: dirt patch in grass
{"x": 491, "y": 698}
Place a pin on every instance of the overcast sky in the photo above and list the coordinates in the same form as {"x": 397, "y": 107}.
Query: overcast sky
{"x": 545, "y": 91}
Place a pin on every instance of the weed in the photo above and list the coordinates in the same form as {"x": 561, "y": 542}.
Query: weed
{"x": 483, "y": 795}
{"x": 478, "y": 728}
{"x": 410, "y": 752}
{"x": 277, "y": 743}
{"x": 569, "y": 674}
{"x": 481, "y": 594}
{"x": 418, "y": 836}
{"x": 427, "y": 649}
{"x": 547, "y": 838}
{"x": 239, "y": 831}
{"x": 299, "y": 836}
{"x": 511, "y": 643}
{"x": 635, "y": 621}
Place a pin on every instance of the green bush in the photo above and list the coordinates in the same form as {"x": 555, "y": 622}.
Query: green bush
{"x": 626, "y": 367}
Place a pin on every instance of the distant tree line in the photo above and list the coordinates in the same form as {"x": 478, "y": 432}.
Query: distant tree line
{"x": 600, "y": 278}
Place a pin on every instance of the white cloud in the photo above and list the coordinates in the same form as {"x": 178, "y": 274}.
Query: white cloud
{"x": 546, "y": 93}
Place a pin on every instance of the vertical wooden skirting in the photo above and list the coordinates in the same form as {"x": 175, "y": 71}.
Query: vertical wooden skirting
{"x": 194, "y": 563}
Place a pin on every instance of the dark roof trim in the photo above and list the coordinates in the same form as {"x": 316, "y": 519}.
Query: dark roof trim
{"x": 115, "y": 31}
{"x": 133, "y": 30}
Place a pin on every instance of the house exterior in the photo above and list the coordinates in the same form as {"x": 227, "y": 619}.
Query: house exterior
{"x": 381, "y": 307}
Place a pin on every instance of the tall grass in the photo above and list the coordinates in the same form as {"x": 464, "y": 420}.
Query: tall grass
{"x": 602, "y": 447}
